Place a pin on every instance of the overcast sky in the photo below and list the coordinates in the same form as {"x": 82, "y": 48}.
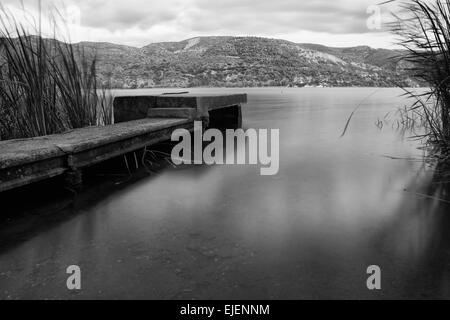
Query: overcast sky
{"x": 140, "y": 22}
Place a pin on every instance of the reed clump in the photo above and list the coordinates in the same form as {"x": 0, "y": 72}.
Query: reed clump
{"x": 46, "y": 86}
{"x": 423, "y": 30}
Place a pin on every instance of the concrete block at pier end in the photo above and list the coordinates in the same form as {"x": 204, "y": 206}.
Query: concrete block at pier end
{"x": 226, "y": 118}
{"x": 186, "y": 105}
{"x": 228, "y": 107}
{"x": 206, "y": 104}
{"x": 132, "y": 108}
{"x": 182, "y": 113}
{"x": 178, "y": 101}
{"x": 202, "y": 102}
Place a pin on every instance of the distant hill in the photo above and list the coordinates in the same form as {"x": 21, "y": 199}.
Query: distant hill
{"x": 246, "y": 61}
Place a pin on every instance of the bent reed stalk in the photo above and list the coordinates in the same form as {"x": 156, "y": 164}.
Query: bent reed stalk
{"x": 46, "y": 86}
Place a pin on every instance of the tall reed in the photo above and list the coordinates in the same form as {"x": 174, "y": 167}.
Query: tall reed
{"x": 423, "y": 30}
{"x": 46, "y": 86}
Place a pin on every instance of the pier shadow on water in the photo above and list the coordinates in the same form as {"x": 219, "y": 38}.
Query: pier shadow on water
{"x": 39, "y": 207}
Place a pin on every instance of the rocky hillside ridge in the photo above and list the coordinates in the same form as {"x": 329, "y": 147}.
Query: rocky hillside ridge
{"x": 245, "y": 62}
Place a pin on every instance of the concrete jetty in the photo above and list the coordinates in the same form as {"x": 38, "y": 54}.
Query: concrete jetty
{"x": 140, "y": 121}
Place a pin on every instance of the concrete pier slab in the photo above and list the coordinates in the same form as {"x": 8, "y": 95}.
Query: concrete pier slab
{"x": 30, "y": 160}
{"x": 140, "y": 121}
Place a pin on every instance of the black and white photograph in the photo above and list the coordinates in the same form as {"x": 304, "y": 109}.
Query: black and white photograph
{"x": 224, "y": 151}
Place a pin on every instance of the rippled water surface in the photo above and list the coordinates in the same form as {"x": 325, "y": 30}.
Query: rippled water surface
{"x": 337, "y": 206}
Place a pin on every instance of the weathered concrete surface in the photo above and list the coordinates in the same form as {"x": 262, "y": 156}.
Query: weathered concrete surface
{"x": 186, "y": 113}
{"x": 89, "y": 156}
{"x": 19, "y": 152}
{"x": 199, "y": 101}
{"x": 93, "y": 137}
{"x": 28, "y": 173}
{"x": 26, "y": 161}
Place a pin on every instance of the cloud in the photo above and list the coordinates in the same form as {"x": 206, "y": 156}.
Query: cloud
{"x": 115, "y": 15}
{"x": 337, "y": 16}
{"x": 138, "y": 22}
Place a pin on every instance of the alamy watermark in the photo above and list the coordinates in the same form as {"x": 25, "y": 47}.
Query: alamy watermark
{"x": 250, "y": 147}
{"x": 374, "y": 280}
{"x": 74, "y": 280}
{"x": 375, "y": 21}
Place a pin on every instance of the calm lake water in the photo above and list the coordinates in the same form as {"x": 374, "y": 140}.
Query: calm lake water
{"x": 337, "y": 206}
